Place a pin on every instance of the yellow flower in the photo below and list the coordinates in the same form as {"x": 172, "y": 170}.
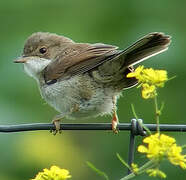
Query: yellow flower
{"x": 149, "y": 80}
{"x": 156, "y": 172}
{"x": 54, "y": 173}
{"x": 135, "y": 168}
{"x": 175, "y": 156}
{"x": 148, "y": 91}
{"x": 149, "y": 75}
{"x": 156, "y": 77}
{"x": 136, "y": 73}
{"x": 161, "y": 146}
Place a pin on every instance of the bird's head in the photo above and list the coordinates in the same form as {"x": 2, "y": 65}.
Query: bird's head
{"x": 39, "y": 50}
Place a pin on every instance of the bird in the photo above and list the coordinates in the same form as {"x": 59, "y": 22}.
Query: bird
{"x": 83, "y": 80}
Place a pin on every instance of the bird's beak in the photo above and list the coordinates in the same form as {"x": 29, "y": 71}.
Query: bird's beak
{"x": 21, "y": 60}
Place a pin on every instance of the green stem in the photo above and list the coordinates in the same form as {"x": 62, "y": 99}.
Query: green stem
{"x": 135, "y": 115}
{"x": 130, "y": 176}
{"x": 157, "y": 113}
{"x": 99, "y": 172}
{"x": 123, "y": 161}
{"x": 146, "y": 166}
{"x": 142, "y": 169}
{"x": 134, "y": 112}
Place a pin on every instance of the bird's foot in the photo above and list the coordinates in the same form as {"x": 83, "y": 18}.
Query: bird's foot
{"x": 56, "y": 121}
{"x": 115, "y": 122}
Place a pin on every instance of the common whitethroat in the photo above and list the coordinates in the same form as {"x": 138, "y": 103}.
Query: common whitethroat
{"x": 82, "y": 80}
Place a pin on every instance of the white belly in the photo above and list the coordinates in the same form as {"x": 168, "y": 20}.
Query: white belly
{"x": 65, "y": 95}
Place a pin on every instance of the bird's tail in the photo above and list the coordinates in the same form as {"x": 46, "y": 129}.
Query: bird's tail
{"x": 144, "y": 48}
{"x": 122, "y": 63}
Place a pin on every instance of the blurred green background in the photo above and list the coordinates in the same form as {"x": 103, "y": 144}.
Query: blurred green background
{"x": 113, "y": 22}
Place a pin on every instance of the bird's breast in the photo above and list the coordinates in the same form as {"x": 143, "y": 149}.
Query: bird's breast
{"x": 79, "y": 97}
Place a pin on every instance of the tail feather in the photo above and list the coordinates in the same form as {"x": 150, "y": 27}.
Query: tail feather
{"x": 146, "y": 47}
{"x": 113, "y": 72}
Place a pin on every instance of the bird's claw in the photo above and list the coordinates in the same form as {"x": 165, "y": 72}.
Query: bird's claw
{"x": 115, "y": 123}
{"x": 57, "y": 129}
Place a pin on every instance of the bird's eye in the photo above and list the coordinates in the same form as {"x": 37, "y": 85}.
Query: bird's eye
{"x": 43, "y": 50}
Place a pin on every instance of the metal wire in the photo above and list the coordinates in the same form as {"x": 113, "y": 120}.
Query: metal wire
{"x": 87, "y": 126}
{"x": 131, "y": 151}
{"x": 134, "y": 127}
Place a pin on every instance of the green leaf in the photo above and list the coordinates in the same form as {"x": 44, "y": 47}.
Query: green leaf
{"x": 123, "y": 161}
{"x": 99, "y": 172}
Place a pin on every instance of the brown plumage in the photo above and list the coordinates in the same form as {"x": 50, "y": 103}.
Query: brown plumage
{"x": 81, "y": 79}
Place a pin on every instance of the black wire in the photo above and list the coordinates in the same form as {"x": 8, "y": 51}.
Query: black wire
{"x": 133, "y": 127}
{"x": 87, "y": 126}
{"x": 131, "y": 151}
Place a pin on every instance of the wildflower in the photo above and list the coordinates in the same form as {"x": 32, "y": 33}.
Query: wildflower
{"x": 135, "y": 168}
{"x": 149, "y": 80}
{"x": 175, "y": 156}
{"x": 137, "y": 73}
{"x": 161, "y": 146}
{"x": 156, "y": 172}
{"x": 148, "y": 91}
{"x": 54, "y": 173}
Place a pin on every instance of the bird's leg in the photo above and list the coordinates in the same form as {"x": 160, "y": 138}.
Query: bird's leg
{"x": 115, "y": 120}
{"x": 56, "y": 121}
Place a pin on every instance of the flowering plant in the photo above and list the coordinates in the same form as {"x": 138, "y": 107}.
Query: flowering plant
{"x": 157, "y": 147}
{"x": 54, "y": 173}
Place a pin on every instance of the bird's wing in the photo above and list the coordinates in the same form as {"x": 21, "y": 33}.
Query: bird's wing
{"x": 78, "y": 58}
